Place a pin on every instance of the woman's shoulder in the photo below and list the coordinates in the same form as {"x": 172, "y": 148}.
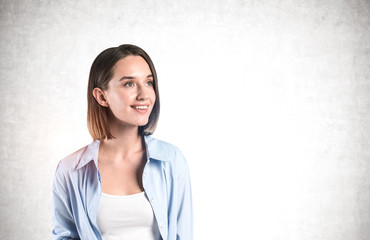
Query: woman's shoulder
{"x": 158, "y": 143}
{"x": 79, "y": 157}
{"x": 162, "y": 150}
{"x": 169, "y": 155}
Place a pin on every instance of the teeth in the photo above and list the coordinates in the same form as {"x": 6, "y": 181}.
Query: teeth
{"x": 140, "y": 107}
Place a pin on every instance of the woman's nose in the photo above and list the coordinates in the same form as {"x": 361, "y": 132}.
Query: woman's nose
{"x": 142, "y": 92}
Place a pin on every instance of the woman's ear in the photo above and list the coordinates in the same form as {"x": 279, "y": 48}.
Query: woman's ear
{"x": 100, "y": 97}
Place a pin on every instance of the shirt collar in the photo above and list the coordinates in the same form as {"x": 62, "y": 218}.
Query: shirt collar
{"x": 154, "y": 149}
{"x": 90, "y": 153}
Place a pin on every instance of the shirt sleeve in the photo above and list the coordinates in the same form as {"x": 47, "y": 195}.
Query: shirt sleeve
{"x": 185, "y": 204}
{"x": 64, "y": 226}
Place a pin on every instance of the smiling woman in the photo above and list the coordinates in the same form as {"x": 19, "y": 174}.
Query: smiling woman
{"x": 129, "y": 96}
{"x": 125, "y": 184}
{"x": 108, "y": 66}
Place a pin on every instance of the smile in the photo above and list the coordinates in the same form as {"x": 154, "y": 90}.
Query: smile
{"x": 140, "y": 107}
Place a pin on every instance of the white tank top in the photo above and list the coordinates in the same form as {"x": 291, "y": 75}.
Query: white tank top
{"x": 126, "y": 217}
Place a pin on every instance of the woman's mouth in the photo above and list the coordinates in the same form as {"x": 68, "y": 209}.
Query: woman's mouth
{"x": 140, "y": 108}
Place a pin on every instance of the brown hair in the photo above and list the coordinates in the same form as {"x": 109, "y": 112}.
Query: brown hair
{"x": 101, "y": 73}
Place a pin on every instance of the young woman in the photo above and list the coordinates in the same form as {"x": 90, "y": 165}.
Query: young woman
{"x": 125, "y": 184}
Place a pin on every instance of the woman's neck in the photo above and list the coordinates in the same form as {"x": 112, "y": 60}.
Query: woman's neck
{"x": 125, "y": 143}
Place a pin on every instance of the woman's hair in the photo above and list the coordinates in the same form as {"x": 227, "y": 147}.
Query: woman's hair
{"x": 101, "y": 73}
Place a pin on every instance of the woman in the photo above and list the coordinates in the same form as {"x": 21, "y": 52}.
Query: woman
{"x": 125, "y": 184}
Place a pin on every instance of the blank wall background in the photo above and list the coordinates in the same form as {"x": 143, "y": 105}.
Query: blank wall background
{"x": 268, "y": 100}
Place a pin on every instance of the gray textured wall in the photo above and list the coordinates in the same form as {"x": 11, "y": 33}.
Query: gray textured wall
{"x": 269, "y": 101}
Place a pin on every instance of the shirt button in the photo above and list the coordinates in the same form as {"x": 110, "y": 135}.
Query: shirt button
{"x": 153, "y": 200}
{"x": 144, "y": 174}
{"x": 161, "y": 226}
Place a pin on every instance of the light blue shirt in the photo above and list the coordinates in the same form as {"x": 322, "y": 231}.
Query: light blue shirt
{"x": 77, "y": 191}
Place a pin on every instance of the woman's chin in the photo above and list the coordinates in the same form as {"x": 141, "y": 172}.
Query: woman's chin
{"x": 142, "y": 124}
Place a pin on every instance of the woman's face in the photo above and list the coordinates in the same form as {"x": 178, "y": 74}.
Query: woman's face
{"x": 130, "y": 94}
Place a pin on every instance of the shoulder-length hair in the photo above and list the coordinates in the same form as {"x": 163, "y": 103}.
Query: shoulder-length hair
{"x": 101, "y": 73}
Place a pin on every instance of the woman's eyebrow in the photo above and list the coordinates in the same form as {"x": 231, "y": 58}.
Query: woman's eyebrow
{"x": 130, "y": 77}
{"x": 126, "y": 77}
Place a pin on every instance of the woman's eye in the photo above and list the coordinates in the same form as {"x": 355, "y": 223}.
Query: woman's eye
{"x": 149, "y": 83}
{"x": 129, "y": 84}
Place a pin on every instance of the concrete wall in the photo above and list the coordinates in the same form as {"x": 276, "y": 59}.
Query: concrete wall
{"x": 268, "y": 100}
